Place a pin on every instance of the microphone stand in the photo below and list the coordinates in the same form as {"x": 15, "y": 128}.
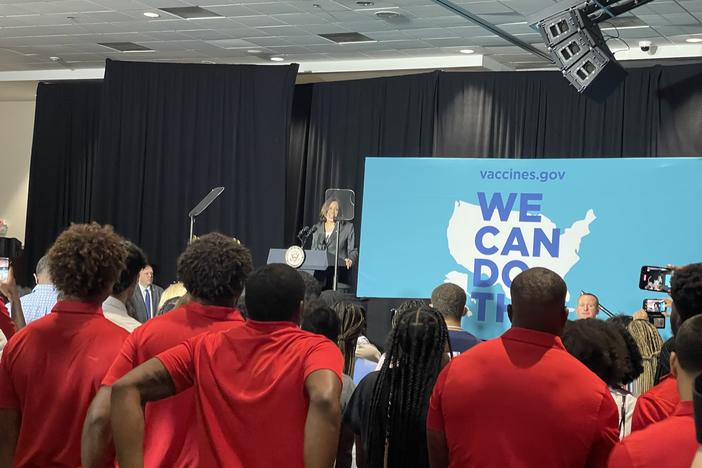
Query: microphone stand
{"x": 336, "y": 258}
{"x": 601, "y": 307}
{"x": 202, "y": 206}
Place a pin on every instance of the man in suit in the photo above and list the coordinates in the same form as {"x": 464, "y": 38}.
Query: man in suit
{"x": 144, "y": 302}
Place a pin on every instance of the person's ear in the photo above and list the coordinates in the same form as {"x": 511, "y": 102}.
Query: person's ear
{"x": 509, "y": 312}
{"x": 674, "y": 364}
{"x": 36, "y": 278}
{"x": 465, "y": 311}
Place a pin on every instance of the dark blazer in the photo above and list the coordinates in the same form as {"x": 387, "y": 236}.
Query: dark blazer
{"x": 347, "y": 242}
{"x": 136, "y": 306}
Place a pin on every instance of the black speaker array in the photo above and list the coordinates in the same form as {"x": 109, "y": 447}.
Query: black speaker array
{"x": 580, "y": 50}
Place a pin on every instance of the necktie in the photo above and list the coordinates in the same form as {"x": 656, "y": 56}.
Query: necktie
{"x": 147, "y": 301}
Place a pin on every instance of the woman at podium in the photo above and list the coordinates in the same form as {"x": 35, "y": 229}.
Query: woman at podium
{"x": 324, "y": 238}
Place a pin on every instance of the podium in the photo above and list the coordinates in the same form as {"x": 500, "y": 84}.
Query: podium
{"x": 315, "y": 260}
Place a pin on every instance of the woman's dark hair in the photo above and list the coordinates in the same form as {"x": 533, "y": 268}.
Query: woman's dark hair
{"x": 600, "y": 346}
{"x": 353, "y": 324}
{"x": 396, "y": 433}
{"x": 325, "y": 207}
{"x": 634, "y": 360}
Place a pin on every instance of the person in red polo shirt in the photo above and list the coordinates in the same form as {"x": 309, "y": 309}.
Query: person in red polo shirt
{"x": 662, "y": 400}
{"x": 213, "y": 269}
{"x": 671, "y": 443}
{"x": 521, "y": 399}
{"x": 267, "y": 392}
{"x": 51, "y": 369}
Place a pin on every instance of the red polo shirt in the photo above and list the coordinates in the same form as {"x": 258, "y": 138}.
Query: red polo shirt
{"x": 50, "y": 372}
{"x": 670, "y": 443}
{"x": 168, "y": 431}
{"x": 250, "y": 387}
{"x": 7, "y": 326}
{"x": 522, "y": 400}
{"x": 656, "y": 404}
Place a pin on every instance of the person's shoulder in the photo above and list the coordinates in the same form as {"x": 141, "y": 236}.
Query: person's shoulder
{"x": 572, "y": 368}
{"x": 157, "y": 288}
{"x": 480, "y": 350}
{"x": 665, "y": 389}
{"x": 368, "y": 381}
{"x": 107, "y": 327}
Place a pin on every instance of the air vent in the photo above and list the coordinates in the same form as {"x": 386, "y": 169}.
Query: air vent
{"x": 125, "y": 46}
{"x": 347, "y": 38}
{"x": 193, "y": 12}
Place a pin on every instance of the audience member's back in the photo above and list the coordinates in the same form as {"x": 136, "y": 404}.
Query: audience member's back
{"x": 52, "y": 368}
{"x": 169, "y": 422}
{"x": 521, "y": 399}
{"x": 257, "y": 374}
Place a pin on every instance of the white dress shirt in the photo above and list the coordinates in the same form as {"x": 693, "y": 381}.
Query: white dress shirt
{"x": 116, "y": 312}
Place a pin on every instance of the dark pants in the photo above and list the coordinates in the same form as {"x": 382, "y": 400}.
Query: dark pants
{"x": 326, "y": 278}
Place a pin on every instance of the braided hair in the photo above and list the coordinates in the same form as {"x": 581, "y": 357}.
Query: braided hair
{"x": 650, "y": 344}
{"x": 353, "y": 324}
{"x": 396, "y": 433}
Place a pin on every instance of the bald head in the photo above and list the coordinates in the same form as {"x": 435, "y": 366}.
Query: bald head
{"x": 538, "y": 301}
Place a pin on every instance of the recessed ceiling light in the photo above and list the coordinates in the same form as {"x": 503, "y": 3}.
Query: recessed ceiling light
{"x": 151, "y": 14}
{"x": 277, "y": 59}
{"x": 466, "y": 51}
{"x": 253, "y": 51}
{"x": 386, "y": 14}
{"x": 694, "y": 40}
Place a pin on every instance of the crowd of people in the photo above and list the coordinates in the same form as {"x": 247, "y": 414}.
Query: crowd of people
{"x": 236, "y": 367}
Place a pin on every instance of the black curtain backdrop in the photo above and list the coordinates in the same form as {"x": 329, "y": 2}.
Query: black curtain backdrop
{"x": 352, "y": 119}
{"x": 64, "y": 147}
{"x": 171, "y": 132}
{"x": 655, "y": 112}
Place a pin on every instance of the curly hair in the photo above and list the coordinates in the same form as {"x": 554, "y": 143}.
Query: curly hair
{"x": 634, "y": 361}
{"x": 686, "y": 291}
{"x": 214, "y": 268}
{"x": 600, "y": 346}
{"x": 86, "y": 260}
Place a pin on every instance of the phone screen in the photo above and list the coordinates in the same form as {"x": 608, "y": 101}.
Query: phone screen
{"x": 658, "y": 320}
{"x": 657, "y": 306}
{"x": 4, "y": 268}
{"x": 655, "y": 278}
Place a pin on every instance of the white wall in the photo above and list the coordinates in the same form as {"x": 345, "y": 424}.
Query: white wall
{"x": 16, "y": 128}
